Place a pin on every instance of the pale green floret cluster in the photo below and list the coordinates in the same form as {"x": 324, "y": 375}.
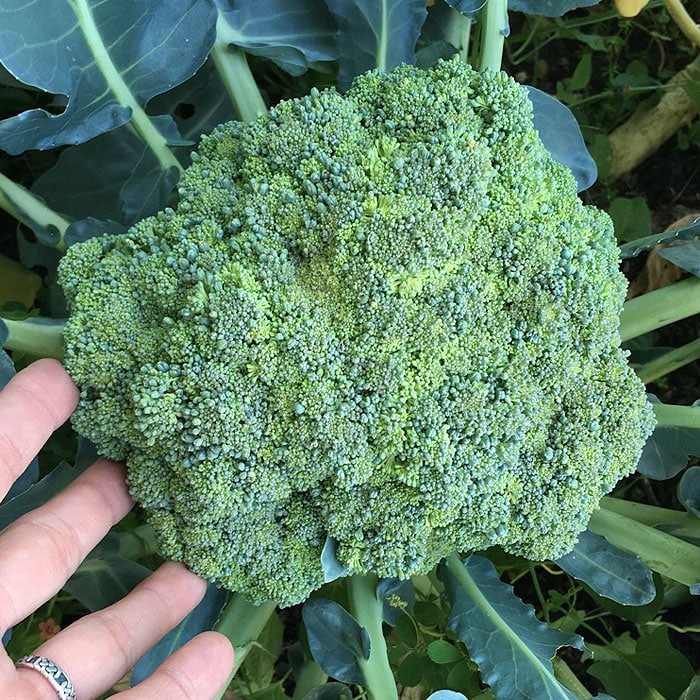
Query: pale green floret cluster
{"x": 383, "y": 318}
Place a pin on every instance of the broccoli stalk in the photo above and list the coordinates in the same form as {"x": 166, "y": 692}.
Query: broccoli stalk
{"x": 232, "y": 65}
{"x": 242, "y": 622}
{"x": 366, "y": 607}
{"x": 40, "y": 337}
{"x": 31, "y": 211}
{"x": 494, "y": 29}
{"x": 659, "y": 308}
{"x": 630, "y": 526}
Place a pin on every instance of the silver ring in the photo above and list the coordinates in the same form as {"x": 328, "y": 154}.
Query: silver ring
{"x": 53, "y": 673}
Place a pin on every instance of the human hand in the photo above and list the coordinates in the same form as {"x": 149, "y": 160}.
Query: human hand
{"x": 40, "y": 550}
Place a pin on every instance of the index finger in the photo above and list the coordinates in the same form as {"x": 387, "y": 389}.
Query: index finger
{"x": 33, "y": 404}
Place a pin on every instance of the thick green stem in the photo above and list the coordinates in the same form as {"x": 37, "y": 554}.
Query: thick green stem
{"x": 242, "y": 622}
{"x": 458, "y": 33}
{"x": 659, "y": 308}
{"x": 41, "y": 338}
{"x": 670, "y": 416}
{"x": 28, "y": 209}
{"x": 232, "y": 65}
{"x": 652, "y": 515}
{"x": 661, "y": 552}
{"x": 494, "y": 29}
{"x": 669, "y": 362}
{"x": 367, "y": 610}
{"x": 139, "y": 119}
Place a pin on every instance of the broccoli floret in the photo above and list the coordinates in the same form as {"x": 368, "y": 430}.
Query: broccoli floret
{"x": 383, "y": 318}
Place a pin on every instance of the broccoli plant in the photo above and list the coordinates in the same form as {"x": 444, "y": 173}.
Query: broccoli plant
{"x": 371, "y": 331}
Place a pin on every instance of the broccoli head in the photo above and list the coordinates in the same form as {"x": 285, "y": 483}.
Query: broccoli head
{"x": 381, "y": 319}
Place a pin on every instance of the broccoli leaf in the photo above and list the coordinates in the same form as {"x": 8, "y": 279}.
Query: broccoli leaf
{"x": 91, "y": 52}
{"x": 689, "y": 491}
{"x": 609, "y": 571}
{"x": 375, "y": 34}
{"x": 37, "y": 494}
{"x": 685, "y": 255}
{"x": 105, "y": 577}
{"x": 562, "y": 137}
{"x": 113, "y": 176}
{"x": 200, "y": 619}
{"x": 634, "y": 248}
{"x": 290, "y": 34}
{"x": 512, "y": 649}
{"x": 548, "y": 8}
{"x": 667, "y": 450}
{"x": 336, "y": 639}
{"x": 329, "y": 691}
{"x": 467, "y": 7}
{"x": 646, "y": 668}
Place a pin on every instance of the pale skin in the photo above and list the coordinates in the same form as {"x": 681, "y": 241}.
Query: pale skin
{"x": 40, "y": 550}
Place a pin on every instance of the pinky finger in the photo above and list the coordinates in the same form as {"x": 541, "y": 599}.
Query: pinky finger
{"x": 198, "y": 669}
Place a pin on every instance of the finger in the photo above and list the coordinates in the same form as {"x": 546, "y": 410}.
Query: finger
{"x": 97, "y": 650}
{"x": 33, "y": 404}
{"x": 40, "y": 550}
{"x": 198, "y": 669}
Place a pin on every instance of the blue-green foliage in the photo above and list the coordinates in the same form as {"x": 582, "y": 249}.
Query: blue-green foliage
{"x": 383, "y": 317}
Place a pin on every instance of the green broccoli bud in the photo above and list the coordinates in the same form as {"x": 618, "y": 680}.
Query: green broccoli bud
{"x": 382, "y": 317}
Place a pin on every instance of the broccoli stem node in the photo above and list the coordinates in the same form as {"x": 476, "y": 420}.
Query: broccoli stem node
{"x": 39, "y": 337}
{"x": 366, "y": 608}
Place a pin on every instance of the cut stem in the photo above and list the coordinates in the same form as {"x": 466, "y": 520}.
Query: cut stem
{"x": 669, "y": 362}
{"x": 242, "y": 622}
{"x": 366, "y": 608}
{"x": 31, "y": 211}
{"x": 40, "y": 337}
{"x": 659, "y": 308}
{"x": 661, "y": 552}
{"x": 231, "y": 63}
{"x": 494, "y": 18}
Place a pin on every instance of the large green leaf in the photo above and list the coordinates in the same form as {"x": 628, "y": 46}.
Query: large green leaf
{"x": 92, "y": 52}
{"x": 667, "y": 450}
{"x": 336, "y": 639}
{"x": 548, "y": 8}
{"x": 512, "y": 649}
{"x": 200, "y": 619}
{"x": 634, "y": 248}
{"x": 609, "y": 571}
{"x": 112, "y": 177}
{"x": 562, "y": 137}
{"x": 375, "y": 34}
{"x": 292, "y": 34}
{"x": 648, "y": 668}
{"x": 685, "y": 255}
{"x": 105, "y": 577}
